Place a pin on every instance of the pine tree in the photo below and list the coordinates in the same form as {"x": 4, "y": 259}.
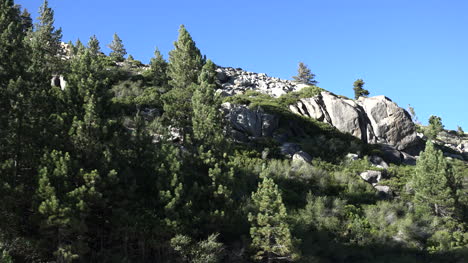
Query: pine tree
{"x": 118, "y": 50}
{"x": 358, "y": 89}
{"x": 304, "y": 75}
{"x": 12, "y": 51}
{"x": 207, "y": 118}
{"x": 157, "y": 74}
{"x": 66, "y": 195}
{"x": 93, "y": 46}
{"x": 269, "y": 230}
{"x": 26, "y": 21}
{"x": 46, "y": 45}
{"x": 435, "y": 127}
{"x": 185, "y": 63}
{"x": 431, "y": 182}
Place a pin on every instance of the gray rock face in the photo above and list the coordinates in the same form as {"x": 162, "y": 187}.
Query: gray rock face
{"x": 256, "y": 123}
{"x": 237, "y": 81}
{"x": 373, "y": 120}
{"x": 390, "y": 123}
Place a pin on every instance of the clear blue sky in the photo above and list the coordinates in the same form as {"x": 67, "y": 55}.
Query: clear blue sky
{"x": 413, "y": 51}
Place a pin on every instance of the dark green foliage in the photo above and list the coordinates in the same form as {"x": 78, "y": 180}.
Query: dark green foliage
{"x": 118, "y": 51}
{"x": 157, "y": 74}
{"x": 358, "y": 89}
{"x": 304, "y": 75}
{"x": 93, "y": 172}
{"x": 207, "y": 121}
{"x": 185, "y": 61}
{"x": 185, "y": 64}
{"x": 46, "y": 44}
{"x": 205, "y": 251}
{"x": 12, "y": 51}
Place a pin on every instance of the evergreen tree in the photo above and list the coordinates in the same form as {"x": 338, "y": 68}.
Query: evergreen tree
{"x": 65, "y": 198}
{"x": 185, "y": 63}
{"x": 46, "y": 45}
{"x": 157, "y": 74}
{"x": 12, "y": 50}
{"x": 269, "y": 230}
{"x": 93, "y": 46}
{"x": 435, "y": 127}
{"x": 460, "y": 131}
{"x": 207, "y": 118}
{"x": 431, "y": 182}
{"x": 304, "y": 75}
{"x": 26, "y": 21}
{"x": 358, "y": 89}
{"x": 118, "y": 51}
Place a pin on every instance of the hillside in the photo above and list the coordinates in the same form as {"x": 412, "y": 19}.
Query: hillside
{"x": 106, "y": 159}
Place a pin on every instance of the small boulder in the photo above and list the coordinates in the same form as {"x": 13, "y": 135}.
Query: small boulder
{"x": 391, "y": 155}
{"x": 352, "y": 157}
{"x": 289, "y": 149}
{"x": 378, "y": 162}
{"x": 384, "y": 190}
{"x": 371, "y": 176}
{"x": 301, "y": 156}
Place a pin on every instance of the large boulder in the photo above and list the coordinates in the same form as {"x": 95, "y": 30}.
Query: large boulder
{"x": 373, "y": 120}
{"x": 390, "y": 123}
{"x": 344, "y": 114}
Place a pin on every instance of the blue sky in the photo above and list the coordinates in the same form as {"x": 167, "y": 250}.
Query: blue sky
{"x": 413, "y": 51}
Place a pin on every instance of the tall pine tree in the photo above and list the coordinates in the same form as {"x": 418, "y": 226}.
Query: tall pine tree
{"x": 185, "y": 63}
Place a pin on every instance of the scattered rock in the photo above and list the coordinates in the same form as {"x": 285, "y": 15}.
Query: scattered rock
{"x": 237, "y": 81}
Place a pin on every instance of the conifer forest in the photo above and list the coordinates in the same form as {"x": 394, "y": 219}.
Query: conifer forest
{"x": 106, "y": 159}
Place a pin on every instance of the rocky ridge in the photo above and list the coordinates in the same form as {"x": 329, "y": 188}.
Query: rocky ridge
{"x": 237, "y": 81}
